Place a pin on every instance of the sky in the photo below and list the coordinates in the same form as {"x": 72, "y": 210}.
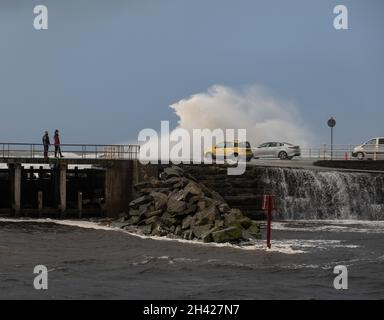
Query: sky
{"x": 105, "y": 69}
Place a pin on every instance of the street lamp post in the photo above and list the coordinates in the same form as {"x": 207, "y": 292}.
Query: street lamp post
{"x": 331, "y": 124}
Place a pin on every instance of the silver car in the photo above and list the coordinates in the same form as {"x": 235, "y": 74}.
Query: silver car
{"x": 372, "y": 149}
{"x": 281, "y": 150}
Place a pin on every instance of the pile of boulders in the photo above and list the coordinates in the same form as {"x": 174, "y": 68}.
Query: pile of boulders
{"x": 176, "y": 205}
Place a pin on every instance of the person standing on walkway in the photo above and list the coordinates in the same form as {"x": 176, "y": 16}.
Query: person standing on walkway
{"x": 57, "y": 144}
{"x": 46, "y": 144}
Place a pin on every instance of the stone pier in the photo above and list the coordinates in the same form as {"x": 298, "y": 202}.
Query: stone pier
{"x": 59, "y": 191}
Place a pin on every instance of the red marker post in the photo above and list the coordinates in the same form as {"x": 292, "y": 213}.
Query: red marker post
{"x": 268, "y": 206}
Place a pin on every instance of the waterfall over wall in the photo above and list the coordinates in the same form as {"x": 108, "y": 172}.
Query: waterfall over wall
{"x": 310, "y": 194}
{"x": 300, "y": 193}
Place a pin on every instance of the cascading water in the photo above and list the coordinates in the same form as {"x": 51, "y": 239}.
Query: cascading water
{"x": 309, "y": 194}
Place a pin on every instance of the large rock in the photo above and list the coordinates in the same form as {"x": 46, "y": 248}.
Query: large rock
{"x": 145, "y": 229}
{"x": 200, "y": 231}
{"x": 151, "y": 220}
{"x": 253, "y": 231}
{"x": 153, "y": 213}
{"x": 178, "y": 231}
{"x": 159, "y": 200}
{"x": 232, "y": 216}
{"x": 142, "y": 185}
{"x": 187, "y": 222}
{"x": 140, "y": 200}
{"x": 159, "y": 230}
{"x": 186, "y": 212}
{"x": 171, "y": 182}
{"x": 243, "y": 222}
{"x": 147, "y": 191}
{"x": 207, "y": 216}
{"x": 119, "y": 224}
{"x": 190, "y": 210}
{"x": 175, "y": 203}
{"x": 190, "y": 190}
{"x": 194, "y": 200}
{"x": 168, "y": 220}
{"x": 223, "y": 208}
{"x": 134, "y": 212}
{"x": 231, "y": 234}
{"x": 146, "y": 207}
{"x": 205, "y": 203}
{"x": 219, "y": 223}
{"x": 181, "y": 184}
{"x": 134, "y": 220}
{"x": 172, "y": 172}
{"x": 188, "y": 235}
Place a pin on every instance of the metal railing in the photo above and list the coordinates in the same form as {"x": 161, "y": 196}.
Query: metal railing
{"x": 70, "y": 151}
{"x": 339, "y": 152}
{"x": 121, "y": 152}
{"x": 326, "y": 152}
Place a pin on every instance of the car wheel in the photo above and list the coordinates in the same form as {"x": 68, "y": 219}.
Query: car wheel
{"x": 232, "y": 159}
{"x": 360, "y": 156}
{"x": 283, "y": 155}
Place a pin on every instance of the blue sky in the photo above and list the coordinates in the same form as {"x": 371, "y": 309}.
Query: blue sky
{"x": 107, "y": 69}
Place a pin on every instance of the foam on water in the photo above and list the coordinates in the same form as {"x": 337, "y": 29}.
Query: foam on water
{"x": 359, "y": 226}
{"x": 288, "y": 246}
{"x": 278, "y": 246}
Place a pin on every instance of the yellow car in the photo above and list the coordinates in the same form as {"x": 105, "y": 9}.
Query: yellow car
{"x": 231, "y": 149}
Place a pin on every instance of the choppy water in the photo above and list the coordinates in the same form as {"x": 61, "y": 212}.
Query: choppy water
{"x": 86, "y": 261}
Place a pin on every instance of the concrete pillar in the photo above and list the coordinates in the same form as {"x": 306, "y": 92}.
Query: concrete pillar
{"x": 41, "y": 172}
{"x": 40, "y": 203}
{"x": 118, "y": 187}
{"x": 63, "y": 189}
{"x": 136, "y": 172}
{"x": 17, "y": 189}
{"x": 80, "y": 204}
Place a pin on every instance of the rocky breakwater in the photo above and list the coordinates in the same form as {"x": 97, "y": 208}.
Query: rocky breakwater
{"x": 176, "y": 205}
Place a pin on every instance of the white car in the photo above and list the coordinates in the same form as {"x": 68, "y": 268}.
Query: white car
{"x": 281, "y": 150}
{"x": 372, "y": 149}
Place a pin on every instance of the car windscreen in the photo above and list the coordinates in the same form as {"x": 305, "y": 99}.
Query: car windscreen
{"x": 372, "y": 141}
{"x": 243, "y": 144}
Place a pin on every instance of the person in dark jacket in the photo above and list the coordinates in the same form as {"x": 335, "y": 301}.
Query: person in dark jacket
{"x": 57, "y": 144}
{"x": 46, "y": 144}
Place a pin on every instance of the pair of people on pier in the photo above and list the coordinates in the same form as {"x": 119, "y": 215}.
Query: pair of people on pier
{"x": 47, "y": 143}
